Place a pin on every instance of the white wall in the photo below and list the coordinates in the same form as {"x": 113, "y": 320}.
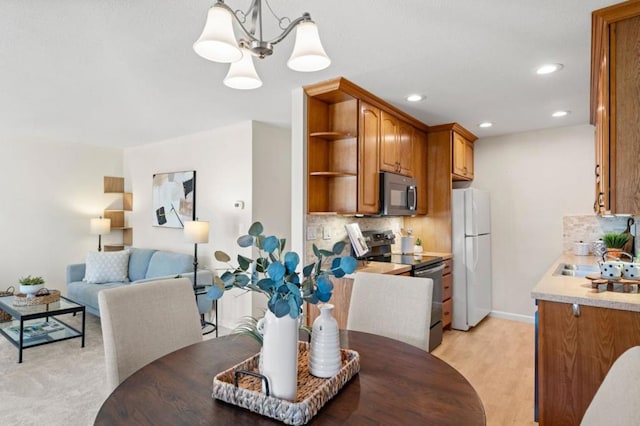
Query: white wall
{"x": 239, "y": 162}
{"x": 50, "y": 191}
{"x": 271, "y": 189}
{"x": 535, "y": 178}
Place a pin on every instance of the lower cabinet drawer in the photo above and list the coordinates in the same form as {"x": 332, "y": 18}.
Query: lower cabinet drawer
{"x": 447, "y": 286}
{"x": 447, "y": 312}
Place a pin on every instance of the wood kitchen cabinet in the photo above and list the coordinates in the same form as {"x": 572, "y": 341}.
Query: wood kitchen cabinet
{"x": 420, "y": 149}
{"x": 350, "y": 135}
{"x": 368, "y": 151}
{"x": 576, "y": 349}
{"x": 447, "y": 293}
{"x": 396, "y": 145}
{"x": 462, "y": 162}
{"x": 615, "y": 107}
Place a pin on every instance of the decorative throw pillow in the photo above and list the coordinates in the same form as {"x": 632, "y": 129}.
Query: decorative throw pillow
{"x": 106, "y": 267}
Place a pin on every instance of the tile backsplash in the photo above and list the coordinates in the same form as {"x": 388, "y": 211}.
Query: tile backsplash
{"x": 335, "y": 225}
{"x": 589, "y": 228}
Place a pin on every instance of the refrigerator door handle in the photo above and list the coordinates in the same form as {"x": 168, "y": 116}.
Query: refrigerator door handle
{"x": 475, "y": 256}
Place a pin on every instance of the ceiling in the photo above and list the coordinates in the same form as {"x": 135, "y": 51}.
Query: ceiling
{"x": 123, "y": 73}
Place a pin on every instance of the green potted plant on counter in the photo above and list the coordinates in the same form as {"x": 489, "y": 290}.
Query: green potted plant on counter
{"x": 31, "y": 285}
{"x": 615, "y": 242}
{"x": 273, "y": 273}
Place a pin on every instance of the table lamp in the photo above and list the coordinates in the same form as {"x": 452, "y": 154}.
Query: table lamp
{"x": 196, "y": 232}
{"x": 100, "y": 226}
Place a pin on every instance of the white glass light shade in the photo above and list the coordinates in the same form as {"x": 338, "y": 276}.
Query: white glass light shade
{"x": 196, "y": 232}
{"x": 217, "y": 41}
{"x": 242, "y": 74}
{"x": 100, "y": 226}
{"x": 308, "y": 54}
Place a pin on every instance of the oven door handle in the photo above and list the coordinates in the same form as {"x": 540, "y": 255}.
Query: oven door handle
{"x": 430, "y": 270}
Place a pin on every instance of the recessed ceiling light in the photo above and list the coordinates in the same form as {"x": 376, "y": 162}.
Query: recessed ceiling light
{"x": 560, "y": 113}
{"x": 548, "y": 68}
{"x": 485, "y": 124}
{"x": 415, "y": 97}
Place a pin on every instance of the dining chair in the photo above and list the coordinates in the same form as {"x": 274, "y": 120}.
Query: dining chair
{"x": 616, "y": 401}
{"x": 142, "y": 322}
{"x": 394, "y": 306}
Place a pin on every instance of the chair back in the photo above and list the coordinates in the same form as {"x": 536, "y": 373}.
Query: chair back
{"x": 143, "y": 322}
{"x": 616, "y": 401}
{"x": 394, "y": 306}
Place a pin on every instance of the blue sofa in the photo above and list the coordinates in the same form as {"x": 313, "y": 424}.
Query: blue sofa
{"x": 144, "y": 265}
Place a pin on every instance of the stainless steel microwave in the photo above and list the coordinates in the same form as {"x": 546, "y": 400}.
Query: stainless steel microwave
{"x": 398, "y": 195}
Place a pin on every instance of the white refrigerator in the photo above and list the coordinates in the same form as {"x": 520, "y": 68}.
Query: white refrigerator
{"x": 471, "y": 233}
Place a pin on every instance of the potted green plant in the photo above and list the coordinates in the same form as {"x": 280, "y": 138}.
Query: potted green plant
{"x": 273, "y": 274}
{"x": 615, "y": 242}
{"x": 31, "y": 285}
{"x": 418, "y": 246}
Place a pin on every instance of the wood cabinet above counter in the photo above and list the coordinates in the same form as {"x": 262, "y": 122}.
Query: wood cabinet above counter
{"x": 615, "y": 107}
{"x": 352, "y": 135}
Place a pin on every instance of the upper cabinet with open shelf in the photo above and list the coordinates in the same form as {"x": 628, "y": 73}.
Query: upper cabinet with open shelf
{"x": 349, "y": 141}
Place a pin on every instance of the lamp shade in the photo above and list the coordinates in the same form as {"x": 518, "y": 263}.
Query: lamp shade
{"x": 242, "y": 74}
{"x": 217, "y": 42}
{"x": 196, "y": 232}
{"x": 308, "y": 54}
{"x": 100, "y": 226}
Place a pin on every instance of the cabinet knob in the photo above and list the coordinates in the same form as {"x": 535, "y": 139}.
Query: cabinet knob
{"x": 576, "y": 310}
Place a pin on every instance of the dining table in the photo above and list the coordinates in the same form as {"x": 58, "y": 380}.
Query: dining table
{"x": 398, "y": 384}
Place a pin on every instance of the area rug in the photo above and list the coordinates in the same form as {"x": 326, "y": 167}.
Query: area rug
{"x": 56, "y": 384}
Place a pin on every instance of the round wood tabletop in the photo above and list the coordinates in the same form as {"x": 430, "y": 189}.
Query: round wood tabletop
{"x": 398, "y": 384}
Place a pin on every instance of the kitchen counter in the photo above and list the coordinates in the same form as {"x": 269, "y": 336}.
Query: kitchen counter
{"x": 381, "y": 268}
{"x": 567, "y": 289}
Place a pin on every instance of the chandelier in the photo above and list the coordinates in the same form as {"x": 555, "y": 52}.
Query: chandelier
{"x": 218, "y": 43}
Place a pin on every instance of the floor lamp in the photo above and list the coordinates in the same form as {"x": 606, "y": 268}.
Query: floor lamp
{"x": 99, "y": 227}
{"x": 197, "y": 232}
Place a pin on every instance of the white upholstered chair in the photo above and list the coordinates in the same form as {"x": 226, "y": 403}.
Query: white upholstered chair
{"x": 394, "y": 306}
{"x": 143, "y": 322}
{"x": 617, "y": 400}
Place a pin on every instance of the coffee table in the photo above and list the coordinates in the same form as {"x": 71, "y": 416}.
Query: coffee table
{"x": 26, "y": 331}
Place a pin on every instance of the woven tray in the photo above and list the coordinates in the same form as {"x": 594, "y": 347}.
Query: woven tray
{"x": 21, "y": 299}
{"x": 312, "y": 393}
{"x": 5, "y": 316}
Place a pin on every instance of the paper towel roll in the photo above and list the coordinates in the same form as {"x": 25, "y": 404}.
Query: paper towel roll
{"x": 406, "y": 244}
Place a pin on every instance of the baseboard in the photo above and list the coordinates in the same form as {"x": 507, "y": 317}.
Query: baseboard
{"x": 512, "y": 317}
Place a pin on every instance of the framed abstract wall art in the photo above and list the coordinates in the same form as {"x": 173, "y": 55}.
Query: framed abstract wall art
{"x": 174, "y": 198}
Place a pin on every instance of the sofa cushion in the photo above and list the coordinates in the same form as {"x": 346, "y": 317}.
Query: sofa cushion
{"x": 104, "y": 267}
{"x": 164, "y": 263}
{"x": 139, "y": 262}
{"x": 87, "y": 294}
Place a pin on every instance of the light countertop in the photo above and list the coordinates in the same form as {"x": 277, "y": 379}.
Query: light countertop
{"x": 383, "y": 268}
{"x": 566, "y": 289}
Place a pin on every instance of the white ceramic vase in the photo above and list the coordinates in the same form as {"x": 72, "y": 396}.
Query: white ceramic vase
{"x": 31, "y": 290}
{"x": 324, "y": 356}
{"x": 279, "y": 354}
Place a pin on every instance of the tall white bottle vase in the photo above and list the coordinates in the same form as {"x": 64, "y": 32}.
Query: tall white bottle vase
{"x": 279, "y": 354}
{"x": 324, "y": 358}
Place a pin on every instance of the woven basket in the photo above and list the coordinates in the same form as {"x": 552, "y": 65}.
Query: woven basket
{"x": 4, "y": 316}
{"x": 312, "y": 393}
{"x": 42, "y": 297}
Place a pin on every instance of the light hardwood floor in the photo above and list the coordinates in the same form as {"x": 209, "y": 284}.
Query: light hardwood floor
{"x": 497, "y": 357}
